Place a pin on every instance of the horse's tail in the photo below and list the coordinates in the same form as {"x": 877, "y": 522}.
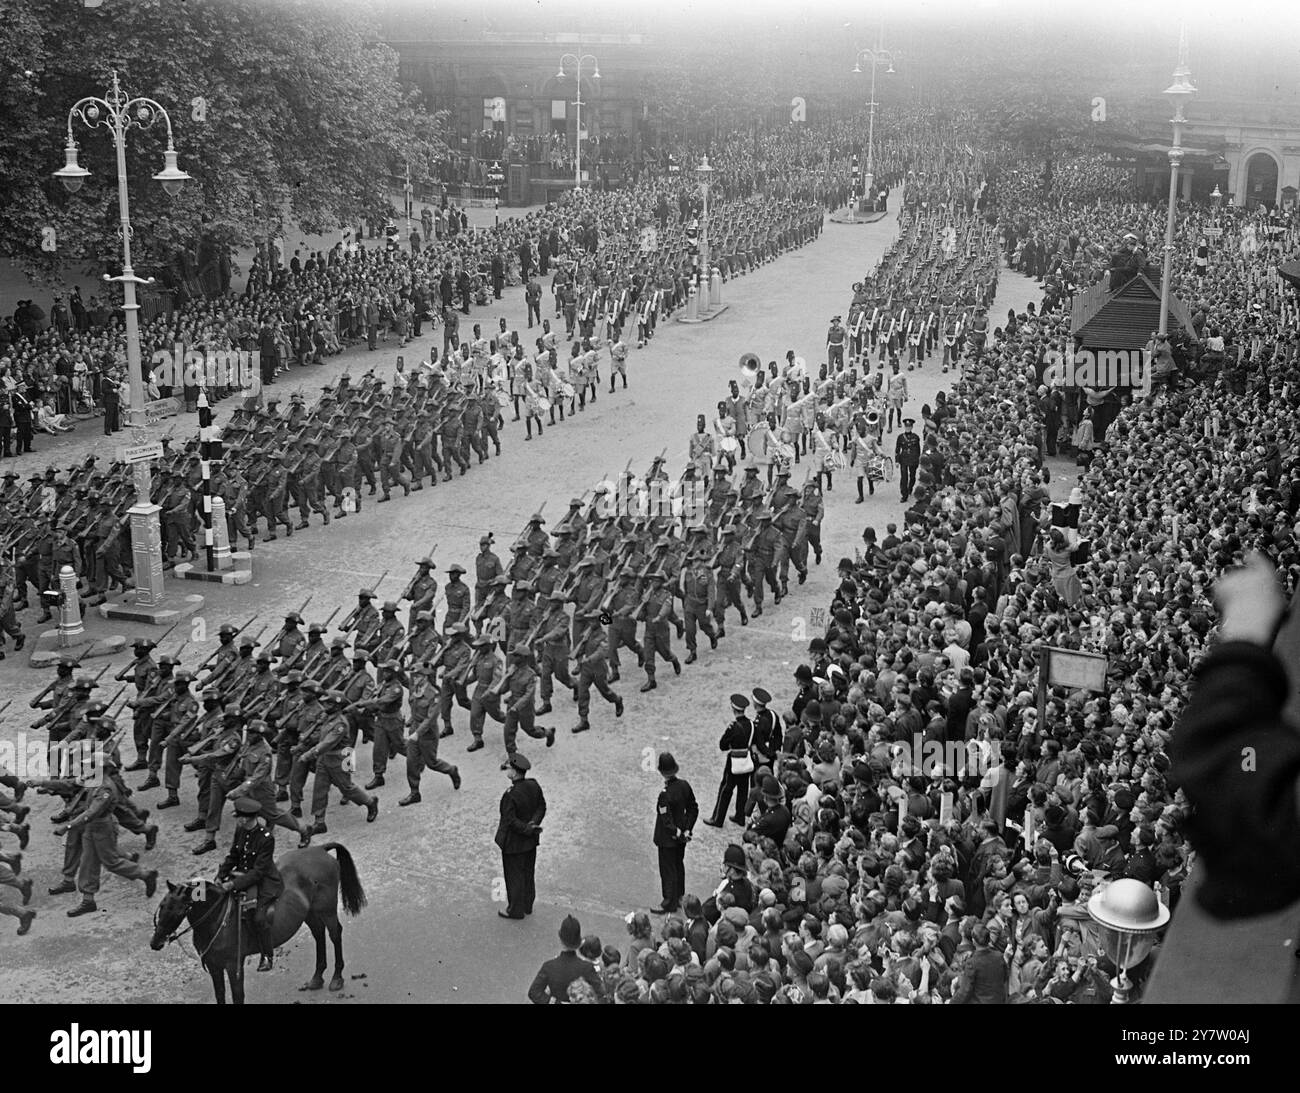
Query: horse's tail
{"x": 354, "y": 896}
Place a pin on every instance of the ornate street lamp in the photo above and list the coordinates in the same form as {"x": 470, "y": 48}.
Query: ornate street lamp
{"x": 877, "y": 56}
{"x": 1180, "y": 90}
{"x": 578, "y": 62}
{"x": 119, "y": 113}
{"x": 1129, "y": 917}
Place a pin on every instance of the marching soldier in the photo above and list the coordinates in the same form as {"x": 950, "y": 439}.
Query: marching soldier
{"x": 290, "y": 641}
{"x": 97, "y": 832}
{"x": 729, "y": 563}
{"x": 813, "y": 511}
{"x": 214, "y": 759}
{"x": 519, "y": 685}
{"x": 487, "y": 567}
{"x": 486, "y": 672}
{"x": 456, "y": 659}
{"x": 158, "y": 703}
{"x": 422, "y": 737}
{"x": 593, "y": 671}
{"x": 422, "y": 591}
{"x": 365, "y": 619}
{"x": 762, "y": 560}
{"x": 143, "y": 672}
{"x": 357, "y": 688}
{"x": 698, "y": 591}
{"x": 657, "y": 611}
{"x": 183, "y": 727}
{"x": 388, "y": 638}
{"x": 424, "y": 640}
{"x": 622, "y": 608}
{"x": 456, "y": 595}
{"x": 304, "y": 732}
{"x": 552, "y": 631}
{"x": 330, "y": 756}
{"x": 389, "y": 723}
{"x": 251, "y": 776}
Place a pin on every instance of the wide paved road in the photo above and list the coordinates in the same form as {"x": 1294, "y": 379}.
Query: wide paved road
{"x": 430, "y": 932}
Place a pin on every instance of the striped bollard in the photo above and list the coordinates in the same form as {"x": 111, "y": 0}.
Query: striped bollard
{"x": 209, "y": 450}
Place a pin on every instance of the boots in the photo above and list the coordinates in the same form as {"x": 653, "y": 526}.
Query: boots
{"x": 85, "y": 907}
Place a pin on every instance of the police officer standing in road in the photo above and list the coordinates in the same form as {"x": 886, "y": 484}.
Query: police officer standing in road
{"x": 736, "y": 743}
{"x": 523, "y": 807}
{"x": 907, "y": 454}
{"x": 675, "y": 816}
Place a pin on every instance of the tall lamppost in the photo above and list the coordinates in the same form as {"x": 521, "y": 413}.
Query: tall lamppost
{"x": 705, "y": 174}
{"x": 578, "y": 62}
{"x": 119, "y": 113}
{"x": 877, "y": 56}
{"x": 1178, "y": 91}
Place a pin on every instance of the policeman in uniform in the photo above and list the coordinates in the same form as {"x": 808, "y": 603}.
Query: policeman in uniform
{"x": 907, "y": 454}
{"x": 675, "y": 816}
{"x": 250, "y": 867}
{"x": 738, "y": 737}
{"x": 523, "y": 808}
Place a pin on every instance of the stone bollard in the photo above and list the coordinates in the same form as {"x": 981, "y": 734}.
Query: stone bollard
{"x": 692, "y": 305}
{"x": 220, "y": 535}
{"x": 70, "y": 627}
{"x": 715, "y": 288}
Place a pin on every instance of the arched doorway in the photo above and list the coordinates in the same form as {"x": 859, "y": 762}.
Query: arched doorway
{"x": 1261, "y": 180}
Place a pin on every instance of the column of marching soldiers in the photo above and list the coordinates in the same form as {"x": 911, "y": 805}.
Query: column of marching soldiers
{"x": 429, "y": 419}
{"x": 619, "y": 573}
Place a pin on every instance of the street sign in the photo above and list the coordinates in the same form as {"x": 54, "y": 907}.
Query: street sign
{"x": 1077, "y": 669}
{"x": 495, "y": 175}
{"x": 140, "y": 453}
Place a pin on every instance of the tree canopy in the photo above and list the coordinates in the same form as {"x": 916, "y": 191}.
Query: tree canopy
{"x": 304, "y": 116}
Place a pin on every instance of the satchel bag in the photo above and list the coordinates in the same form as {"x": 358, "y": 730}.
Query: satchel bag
{"x": 742, "y": 759}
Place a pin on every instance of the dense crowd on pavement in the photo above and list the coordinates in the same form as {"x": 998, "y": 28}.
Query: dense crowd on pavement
{"x": 914, "y": 830}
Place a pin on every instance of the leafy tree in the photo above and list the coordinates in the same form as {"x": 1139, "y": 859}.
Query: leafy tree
{"x": 305, "y": 119}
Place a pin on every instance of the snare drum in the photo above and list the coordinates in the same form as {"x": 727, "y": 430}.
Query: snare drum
{"x": 567, "y": 390}
{"x": 504, "y": 400}
{"x": 729, "y": 444}
{"x": 543, "y": 405}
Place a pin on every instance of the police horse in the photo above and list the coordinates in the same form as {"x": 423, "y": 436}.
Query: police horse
{"x": 313, "y": 884}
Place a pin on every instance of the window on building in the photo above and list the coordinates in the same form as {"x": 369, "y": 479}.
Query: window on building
{"x": 559, "y": 115}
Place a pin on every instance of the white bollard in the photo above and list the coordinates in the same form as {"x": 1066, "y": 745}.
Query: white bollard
{"x": 70, "y": 627}
{"x": 692, "y": 305}
{"x": 220, "y": 535}
{"x": 715, "y": 288}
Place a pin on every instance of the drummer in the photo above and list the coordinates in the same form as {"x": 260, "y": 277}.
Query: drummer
{"x": 866, "y": 452}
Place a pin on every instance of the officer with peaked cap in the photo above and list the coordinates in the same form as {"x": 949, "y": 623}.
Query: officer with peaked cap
{"x": 675, "y": 816}
{"x": 519, "y": 830}
{"x": 737, "y": 743}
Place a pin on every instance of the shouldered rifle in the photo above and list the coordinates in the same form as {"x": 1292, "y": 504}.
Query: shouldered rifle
{"x": 351, "y": 618}
{"x": 44, "y": 691}
{"x": 225, "y": 669}
{"x": 406, "y": 594}
{"x": 280, "y": 633}
{"x": 125, "y": 673}
{"x": 213, "y": 656}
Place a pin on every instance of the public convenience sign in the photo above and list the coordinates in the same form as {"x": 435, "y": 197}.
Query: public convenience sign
{"x": 1076, "y": 669}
